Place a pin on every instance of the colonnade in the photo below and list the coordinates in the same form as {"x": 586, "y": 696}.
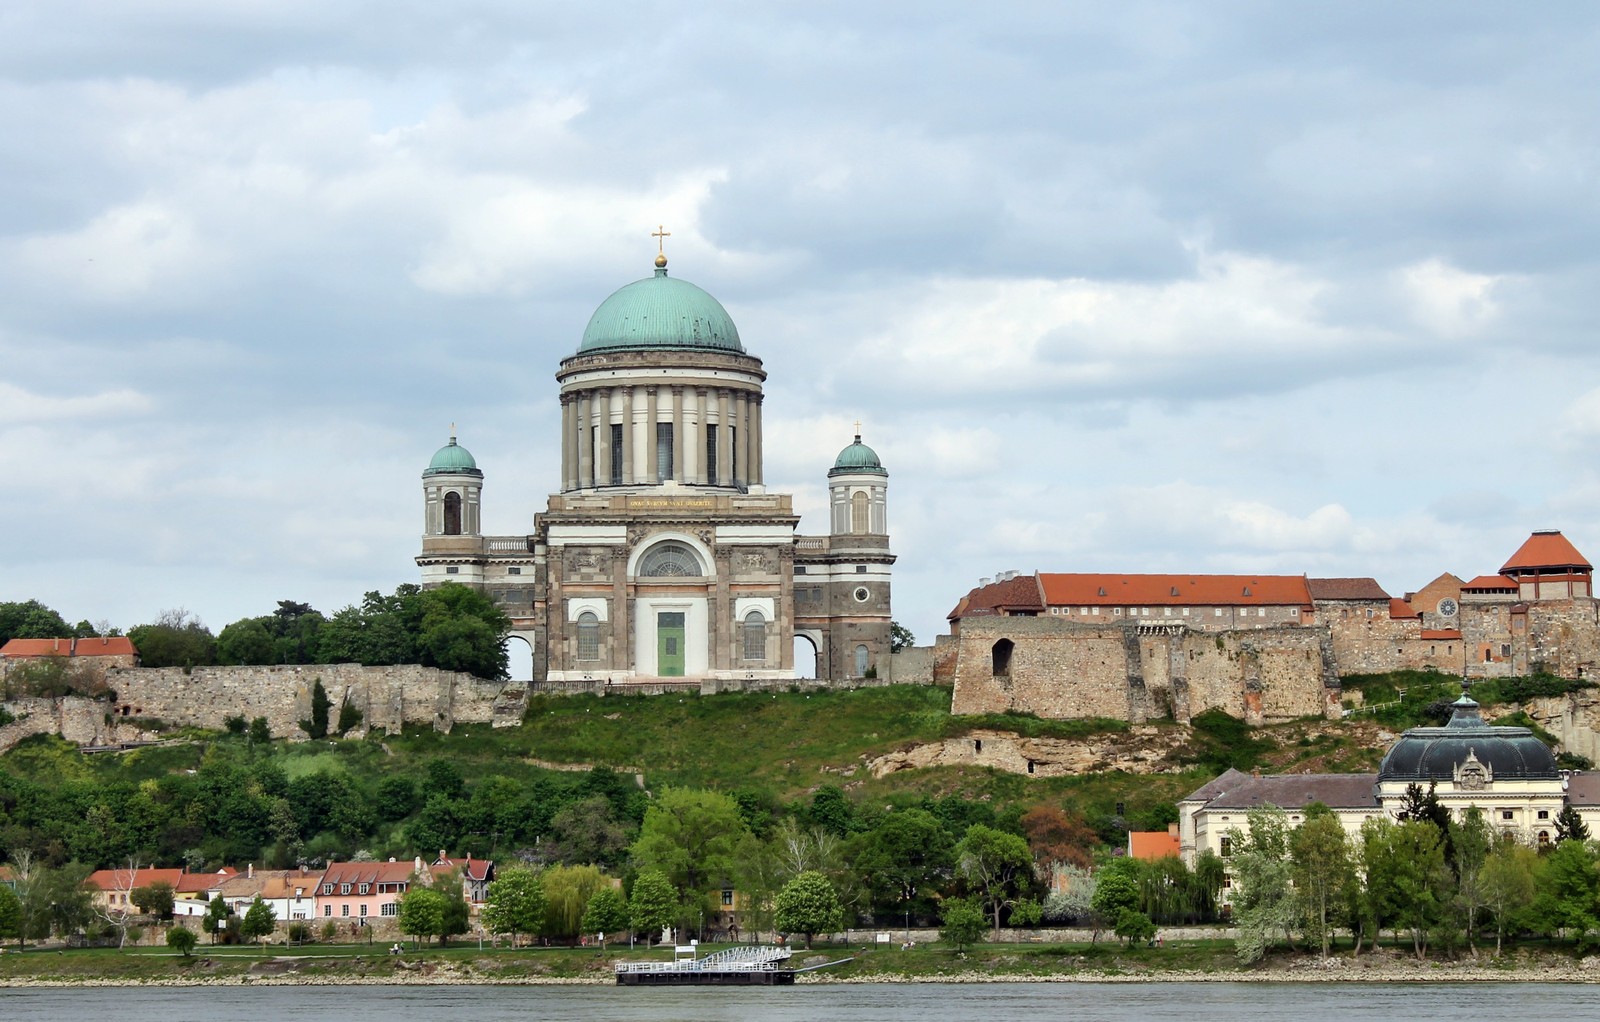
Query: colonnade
{"x": 594, "y": 454}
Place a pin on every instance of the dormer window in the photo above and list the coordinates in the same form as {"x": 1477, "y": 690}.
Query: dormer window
{"x": 344, "y": 888}
{"x": 364, "y": 889}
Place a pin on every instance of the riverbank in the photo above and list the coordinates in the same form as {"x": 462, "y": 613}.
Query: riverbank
{"x": 1203, "y": 961}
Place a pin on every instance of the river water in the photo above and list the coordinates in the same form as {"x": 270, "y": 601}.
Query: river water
{"x": 889, "y": 1002}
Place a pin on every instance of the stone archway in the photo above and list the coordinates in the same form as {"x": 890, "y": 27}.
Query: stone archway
{"x": 807, "y": 657}
{"x": 519, "y": 656}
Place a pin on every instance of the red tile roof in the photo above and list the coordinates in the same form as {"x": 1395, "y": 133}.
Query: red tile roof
{"x": 1020, "y": 593}
{"x": 471, "y": 869}
{"x": 369, "y": 872}
{"x": 1548, "y": 549}
{"x": 127, "y": 880}
{"x": 199, "y": 883}
{"x": 1151, "y": 844}
{"x": 1346, "y": 589}
{"x": 1175, "y": 590}
{"x": 1489, "y": 582}
{"x": 112, "y": 645}
{"x": 1400, "y": 610}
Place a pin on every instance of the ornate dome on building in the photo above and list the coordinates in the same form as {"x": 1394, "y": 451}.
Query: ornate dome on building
{"x": 1467, "y": 751}
{"x": 660, "y": 553}
{"x": 660, "y": 312}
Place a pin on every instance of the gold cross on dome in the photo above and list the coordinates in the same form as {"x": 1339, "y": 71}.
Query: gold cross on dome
{"x": 661, "y": 234}
{"x": 858, "y": 427}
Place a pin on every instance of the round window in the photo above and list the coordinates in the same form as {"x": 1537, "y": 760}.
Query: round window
{"x": 862, "y": 594}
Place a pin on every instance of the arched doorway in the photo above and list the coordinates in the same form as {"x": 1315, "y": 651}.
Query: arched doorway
{"x": 519, "y": 657}
{"x": 805, "y": 657}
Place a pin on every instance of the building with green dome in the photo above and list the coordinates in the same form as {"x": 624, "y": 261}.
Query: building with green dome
{"x": 661, "y": 554}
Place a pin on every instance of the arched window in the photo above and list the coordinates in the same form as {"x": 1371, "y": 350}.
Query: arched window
{"x": 588, "y": 636}
{"x": 755, "y": 636}
{"x": 452, "y": 514}
{"x": 1002, "y": 658}
{"x": 861, "y": 661}
{"x": 858, "y": 512}
{"x": 1544, "y": 839}
{"x": 670, "y": 559}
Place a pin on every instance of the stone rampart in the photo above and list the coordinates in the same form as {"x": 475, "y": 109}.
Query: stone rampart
{"x": 1061, "y": 669}
{"x": 388, "y": 697}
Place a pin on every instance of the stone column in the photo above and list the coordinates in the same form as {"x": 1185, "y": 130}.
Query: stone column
{"x": 724, "y": 441}
{"x": 569, "y": 471}
{"x": 628, "y": 463}
{"x": 741, "y": 439}
{"x": 756, "y": 454}
{"x": 677, "y": 435}
{"x": 650, "y": 473}
{"x": 585, "y": 444}
{"x": 700, "y": 436}
{"x": 602, "y": 438}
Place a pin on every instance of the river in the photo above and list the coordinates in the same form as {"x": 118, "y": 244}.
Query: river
{"x": 889, "y": 1002}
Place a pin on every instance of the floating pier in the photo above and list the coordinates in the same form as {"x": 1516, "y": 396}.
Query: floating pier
{"x": 735, "y": 966}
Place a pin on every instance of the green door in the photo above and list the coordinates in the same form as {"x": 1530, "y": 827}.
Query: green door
{"x": 669, "y": 644}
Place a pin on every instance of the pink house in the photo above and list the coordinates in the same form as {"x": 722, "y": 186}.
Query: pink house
{"x": 353, "y": 892}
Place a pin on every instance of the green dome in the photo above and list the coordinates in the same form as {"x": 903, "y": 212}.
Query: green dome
{"x": 857, "y": 459}
{"x": 452, "y": 459}
{"x": 660, "y": 312}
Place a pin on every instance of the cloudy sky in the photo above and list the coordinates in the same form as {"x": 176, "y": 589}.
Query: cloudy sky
{"x": 1223, "y": 287}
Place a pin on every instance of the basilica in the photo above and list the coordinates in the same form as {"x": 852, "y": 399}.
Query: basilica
{"x": 662, "y": 555}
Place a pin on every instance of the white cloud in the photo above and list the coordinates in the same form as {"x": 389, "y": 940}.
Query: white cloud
{"x": 22, "y": 406}
{"x": 129, "y": 252}
{"x": 1449, "y": 301}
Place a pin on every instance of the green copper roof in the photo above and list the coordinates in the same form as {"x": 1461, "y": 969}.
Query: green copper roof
{"x": 452, "y": 459}
{"x": 857, "y": 459}
{"x": 660, "y": 312}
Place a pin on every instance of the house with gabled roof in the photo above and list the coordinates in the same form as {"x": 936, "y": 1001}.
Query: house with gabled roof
{"x": 356, "y": 892}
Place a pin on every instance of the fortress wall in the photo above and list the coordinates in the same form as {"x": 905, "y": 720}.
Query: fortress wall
{"x": 1563, "y": 637}
{"x": 1062, "y": 669}
{"x": 388, "y": 697}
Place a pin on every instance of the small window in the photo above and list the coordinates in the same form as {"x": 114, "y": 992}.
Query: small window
{"x": 755, "y": 636}
{"x": 363, "y": 908}
{"x": 513, "y": 571}
{"x": 344, "y": 888}
{"x": 1506, "y": 814}
{"x": 1544, "y": 814}
{"x": 364, "y": 889}
{"x": 1000, "y": 658}
{"x": 727, "y": 898}
{"x": 1030, "y": 766}
{"x": 1505, "y": 649}
{"x": 861, "y": 569}
{"x": 344, "y": 910}
{"x": 327, "y": 888}
{"x": 588, "y": 636}
{"x": 1217, "y": 612}
{"x": 1227, "y": 847}
{"x": 1544, "y": 839}
{"x": 389, "y": 909}
{"x": 799, "y": 569}
{"x": 327, "y": 910}
{"x": 452, "y": 570}
{"x": 861, "y": 661}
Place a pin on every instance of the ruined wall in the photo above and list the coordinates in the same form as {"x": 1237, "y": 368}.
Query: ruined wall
{"x": 911, "y": 666}
{"x": 1563, "y": 638}
{"x": 388, "y": 697}
{"x": 1062, "y": 669}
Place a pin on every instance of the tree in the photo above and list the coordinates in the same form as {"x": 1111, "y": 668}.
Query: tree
{"x": 422, "y": 912}
{"x": 1508, "y": 886}
{"x": 1570, "y": 825}
{"x": 1567, "y": 882}
{"x": 515, "y": 902}
{"x": 808, "y": 904}
{"x": 1408, "y": 881}
{"x": 588, "y": 831}
{"x": 605, "y": 913}
{"x": 317, "y": 725}
{"x": 1472, "y": 839}
{"x": 900, "y": 637}
{"x": 902, "y": 860}
{"x": 963, "y": 922}
{"x": 31, "y": 620}
{"x": 995, "y": 864}
{"x": 216, "y": 917}
{"x": 176, "y": 639}
{"x": 567, "y": 890}
{"x": 652, "y": 904}
{"x": 181, "y": 939}
{"x": 1134, "y": 927}
{"x": 260, "y": 731}
{"x": 246, "y": 641}
{"x": 1321, "y": 869}
{"x": 1056, "y": 836}
{"x": 155, "y": 899}
{"x": 259, "y": 920}
{"x": 1115, "y": 891}
{"x": 1264, "y": 902}
{"x": 10, "y": 913}
{"x": 691, "y": 837}
{"x": 457, "y": 917}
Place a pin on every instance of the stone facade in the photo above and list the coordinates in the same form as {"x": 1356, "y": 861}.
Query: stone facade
{"x": 1058, "y": 668}
{"x": 388, "y": 697}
